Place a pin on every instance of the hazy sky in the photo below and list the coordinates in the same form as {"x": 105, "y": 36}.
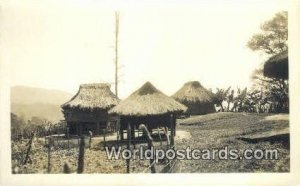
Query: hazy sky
{"x": 61, "y": 44}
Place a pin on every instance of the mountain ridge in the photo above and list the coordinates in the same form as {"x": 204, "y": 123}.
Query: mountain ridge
{"x": 31, "y": 102}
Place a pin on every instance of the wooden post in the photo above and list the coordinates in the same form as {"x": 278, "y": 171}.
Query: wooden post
{"x": 133, "y": 136}
{"x": 128, "y": 146}
{"x": 121, "y": 133}
{"x": 116, "y": 53}
{"x": 90, "y": 140}
{"x": 104, "y": 135}
{"x": 77, "y": 128}
{"x": 45, "y": 140}
{"x": 174, "y": 124}
{"x": 80, "y": 129}
{"x": 172, "y": 130}
{"x": 80, "y": 165}
{"x": 98, "y": 128}
{"x": 28, "y": 149}
{"x": 49, "y": 155}
{"x": 158, "y": 129}
{"x": 167, "y": 136}
{"x": 150, "y": 144}
{"x": 66, "y": 169}
{"x": 118, "y": 130}
{"x": 68, "y": 137}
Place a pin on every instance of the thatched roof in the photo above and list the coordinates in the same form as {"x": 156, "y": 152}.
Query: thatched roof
{"x": 277, "y": 66}
{"x": 147, "y": 101}
{"x": 93, "y": 96}
{"x": 280, "y": 57}
{"x": 193, "y": 91}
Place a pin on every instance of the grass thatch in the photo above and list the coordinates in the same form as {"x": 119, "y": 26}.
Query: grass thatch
{"x": 93, "y": 96}
{"x": 147, "y": 101}
{"x": 193, "y": 91}
{"x": 281, "y": 57}
{"x": 196, "y": 98}
{"x": 277, "y": 66}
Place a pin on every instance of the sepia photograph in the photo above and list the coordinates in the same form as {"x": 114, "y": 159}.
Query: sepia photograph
{"x": 127, "y": 88}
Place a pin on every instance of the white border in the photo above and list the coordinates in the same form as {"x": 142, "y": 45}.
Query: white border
{"x": 272, "y": 179}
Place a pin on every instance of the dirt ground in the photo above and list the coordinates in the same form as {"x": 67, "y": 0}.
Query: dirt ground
{"x": 212, "y": 131}
{"x": 218, "y": 130}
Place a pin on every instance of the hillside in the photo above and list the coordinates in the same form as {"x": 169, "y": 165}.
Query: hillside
{"x": 43, "y": 103}
{"x": 220, "y": 130}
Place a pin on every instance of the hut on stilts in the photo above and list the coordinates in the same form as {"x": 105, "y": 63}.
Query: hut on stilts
{"x": 197, "y": 99}
{"x": 147, "y": 106}
{"x": 277, "y": 68}
{"x": 88, "y": 109}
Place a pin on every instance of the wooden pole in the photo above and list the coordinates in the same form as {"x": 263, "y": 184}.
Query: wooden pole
{"x": 128, "y": 146}
{"x": 68, "y": 137}
{"x": 167, "y": 136}
{"x": 49, "y": 155}
{"x": 172, "y": 130}
{"x": 97, "y": 128}
{"x": 174, "y": 124}
{"x": 118, "y": 130}
{"x": 90, "y": 140}
{"x": 116, "y": 52}
{"x": 158, "y": 129}
{"x": 150, "y": 145}
{"x": 80, "y": 165}
{"x": 104, "y": 140}
{"x": 66, "y": 169}
{"x": 29, "y": 148}
{"x": 134, "y": 128}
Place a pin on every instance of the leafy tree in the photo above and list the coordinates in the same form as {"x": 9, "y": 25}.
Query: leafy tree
{"x": 239, "y": 100}
{"x": 17, "y": 126}
{"x": 273, "y": 37}
{"x": 230, "y": 99}
{"x": 272, "y": 78}
{"x": 220, "y": 96}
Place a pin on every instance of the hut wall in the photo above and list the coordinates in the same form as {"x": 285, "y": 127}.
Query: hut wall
{"x": 199, "y": 108}
{"x": 86, "y": 116}
{"x": 82, "y": 121}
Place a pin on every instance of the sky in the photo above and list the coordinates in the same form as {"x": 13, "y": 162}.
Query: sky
{"x": 62, "y": 44}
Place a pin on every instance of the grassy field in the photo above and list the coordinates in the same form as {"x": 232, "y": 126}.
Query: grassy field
{"x": 204, "y": 132}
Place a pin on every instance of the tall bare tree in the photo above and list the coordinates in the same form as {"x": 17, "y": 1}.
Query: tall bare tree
{"x": 116, "y": 51}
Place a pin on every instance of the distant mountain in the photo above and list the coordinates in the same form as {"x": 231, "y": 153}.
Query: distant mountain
{"x": 43, "y": 103}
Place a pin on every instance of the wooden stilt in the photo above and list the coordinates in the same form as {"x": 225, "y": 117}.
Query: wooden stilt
{"x": 172, "y": 130}
{"x": 150, "y": 145}
{"x": 49, "y": 157}
{"x": 68, "y": 137}
{"x": 167, "y": 136}
{"x": 133, "y": 136}
{"x": 128, "y": 146}
{"x": 104, "y": 135}
{"x": 174, "y": 124}
{"x": 28, "y": 149}
{"x": 80, "y": 164}
{"x": 98, "y": 128}
{"x": 158, "y": 129}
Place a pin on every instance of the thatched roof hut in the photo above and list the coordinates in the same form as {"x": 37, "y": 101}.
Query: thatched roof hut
{"x": 149, "y": 106}
{"x": 93, "y": 96}
{"x": 198, "y": 99}
{"x": 277, "y": 66}
{"x": 147, "y": 101}
{"x": 88, "y": 109}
